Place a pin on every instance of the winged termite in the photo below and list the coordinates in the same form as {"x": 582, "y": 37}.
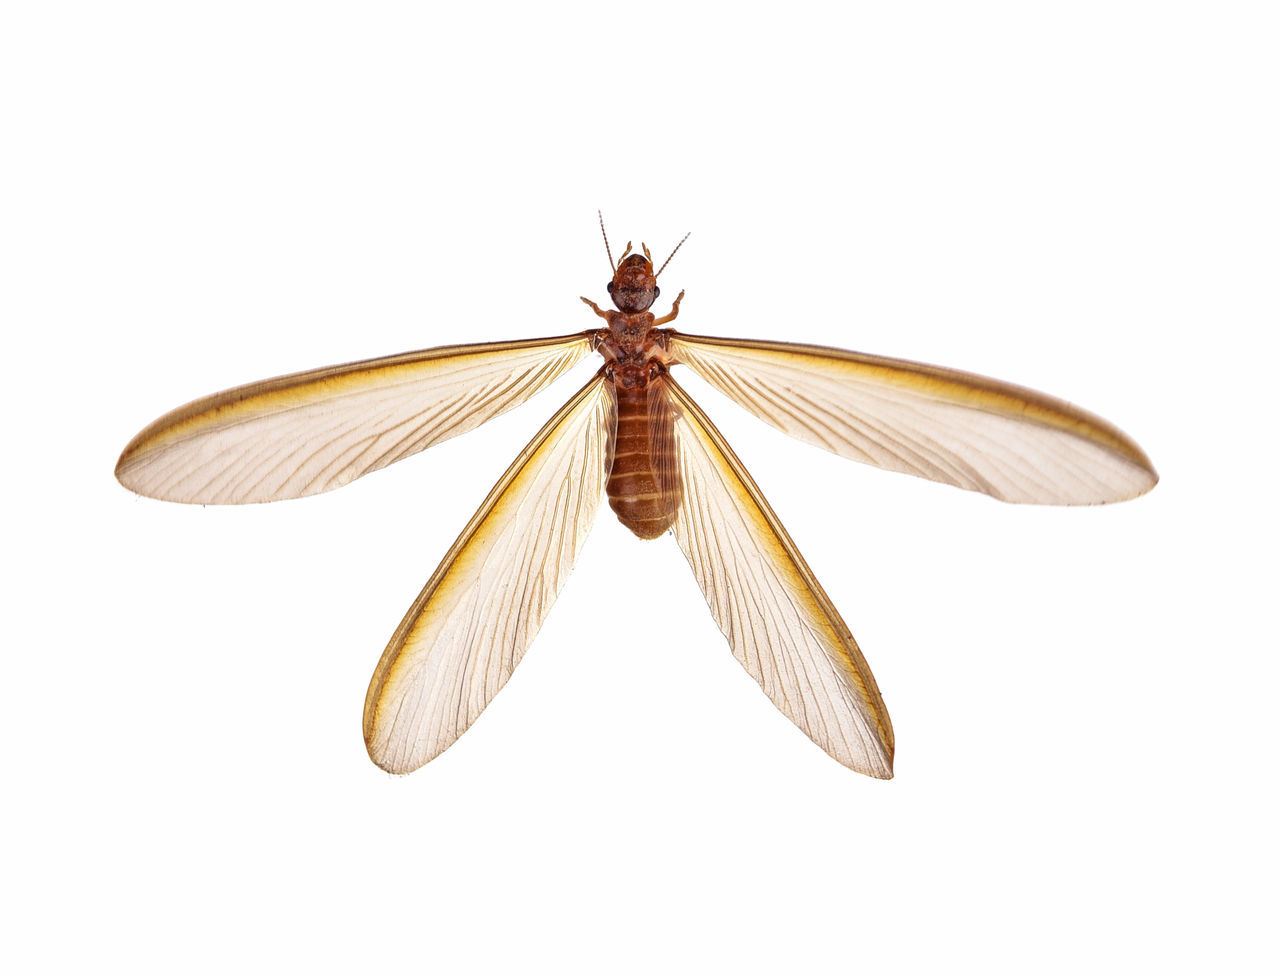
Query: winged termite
{"x": 633, "y": 434}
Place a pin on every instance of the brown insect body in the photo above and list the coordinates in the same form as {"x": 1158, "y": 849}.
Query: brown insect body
{"x": 644, "y": 483}
{"x": 633, "y": 434}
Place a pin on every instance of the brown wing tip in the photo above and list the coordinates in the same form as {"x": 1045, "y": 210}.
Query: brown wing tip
{"x": 375, "y": 721}
{"x": 1151, "y": 481}
{"x": 1152, "y": 475}
{"x": 132, "y": 462}
{"x": 883, "y": 770}
{"x": 395, "y": 764}
{"x": 874, "y": 766}
{"x": 1145, "y": 478}
{"x": 1136, "y": 456}
{"x": 124, "y": 470}
{"x": 389, "y": 766}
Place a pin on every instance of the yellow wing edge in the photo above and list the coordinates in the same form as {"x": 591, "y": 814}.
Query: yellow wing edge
{"x": 805, "y": 585}
{"x": 454, "y": 567}
{"x": 281, "y": 392}
{"x": 981, "y": 392}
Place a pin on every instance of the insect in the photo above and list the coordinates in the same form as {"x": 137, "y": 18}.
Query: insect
{"x": 633, "y": 435}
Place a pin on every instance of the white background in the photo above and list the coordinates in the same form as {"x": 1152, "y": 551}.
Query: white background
{"x": 1077, "y": 197}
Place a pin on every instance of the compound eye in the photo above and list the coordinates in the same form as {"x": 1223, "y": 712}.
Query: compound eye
{"x": 609, "y": 287}
{"x": 656, "y": 292}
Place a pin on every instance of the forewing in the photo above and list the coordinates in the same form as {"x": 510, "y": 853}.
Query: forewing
{"x": 314, "y": 431}
{"x": 468, "y": 629}
{"x": 959, "y": 428}
{"x": 780, "y": 624}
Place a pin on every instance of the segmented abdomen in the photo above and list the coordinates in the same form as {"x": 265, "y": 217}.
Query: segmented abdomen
{"x": 644, "y": 486}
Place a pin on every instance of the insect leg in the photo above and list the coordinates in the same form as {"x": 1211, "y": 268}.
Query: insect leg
{"x": 675, "y": 310}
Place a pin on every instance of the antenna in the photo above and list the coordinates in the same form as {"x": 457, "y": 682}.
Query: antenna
{"x": 672, "y": 254}
{"x": 606, "y": 242}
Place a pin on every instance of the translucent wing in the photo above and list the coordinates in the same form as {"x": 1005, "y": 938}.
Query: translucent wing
{"x": 311, "y": 432}
{"x": 966, "y": 430}
{"x": 780, "y": 624}
{"x": 662, "y": 447}
{"x": 472, "y": 622}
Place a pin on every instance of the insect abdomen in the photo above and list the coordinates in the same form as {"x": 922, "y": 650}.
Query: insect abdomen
{"x": 644, "y": 486}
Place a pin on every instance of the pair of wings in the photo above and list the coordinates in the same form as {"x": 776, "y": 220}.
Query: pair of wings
{"x": 462, "y": 638}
